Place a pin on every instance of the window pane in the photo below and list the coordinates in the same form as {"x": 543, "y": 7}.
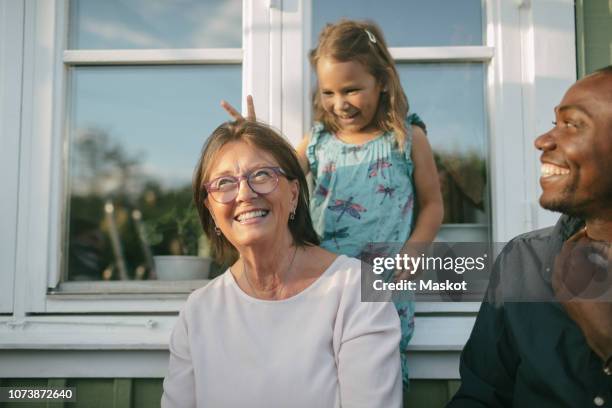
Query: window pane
{"x": 450, "y": 99}
{"x": 408, "y": 23}
{"x": 135, "y": 136}
{"x": 131, "y": 24}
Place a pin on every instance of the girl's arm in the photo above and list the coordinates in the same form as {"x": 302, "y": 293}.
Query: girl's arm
{"x": 427, "y": 190}
{"x": 301, "y": 153}
{"x": 428, "y": 194}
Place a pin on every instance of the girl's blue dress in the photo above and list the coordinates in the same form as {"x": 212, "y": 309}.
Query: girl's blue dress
{"x": 364, "y": 194}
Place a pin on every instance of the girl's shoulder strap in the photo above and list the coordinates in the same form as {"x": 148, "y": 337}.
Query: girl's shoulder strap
{"x": 317, "y": 135}
{"x": 412, "y": 119}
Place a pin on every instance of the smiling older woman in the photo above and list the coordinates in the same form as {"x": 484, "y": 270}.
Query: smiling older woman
{"x": 284, "y": 325}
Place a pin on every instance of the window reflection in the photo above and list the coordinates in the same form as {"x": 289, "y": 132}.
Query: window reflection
{"x": 135, "y": 136}
{"x": 142, "y": 24}
{"x": 408, "y": 23}
{"x": 450, "y": 99}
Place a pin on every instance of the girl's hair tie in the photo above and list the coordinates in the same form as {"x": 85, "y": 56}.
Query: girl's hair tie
{"x": 370, "y": 35}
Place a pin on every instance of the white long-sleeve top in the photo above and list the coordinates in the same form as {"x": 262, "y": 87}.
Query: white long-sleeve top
{"x": 320, "y": 348}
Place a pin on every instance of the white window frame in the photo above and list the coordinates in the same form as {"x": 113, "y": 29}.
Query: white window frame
{"x": 11, "y": 44}
{"x": 525, "y": 79}
{"x": 42, "y": 161}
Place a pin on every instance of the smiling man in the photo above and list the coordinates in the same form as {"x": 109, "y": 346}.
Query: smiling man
{"x": 543, "y": 336}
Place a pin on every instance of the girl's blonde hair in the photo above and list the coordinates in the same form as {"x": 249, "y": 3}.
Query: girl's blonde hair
{"x": 363, "y": 42}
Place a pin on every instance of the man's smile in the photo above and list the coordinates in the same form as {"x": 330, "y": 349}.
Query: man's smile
{"x": 548, "y": 170}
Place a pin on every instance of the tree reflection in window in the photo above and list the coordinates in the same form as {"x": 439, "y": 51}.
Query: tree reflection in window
{"x": 463, "y": 181}
{"x": 120, "y": 217}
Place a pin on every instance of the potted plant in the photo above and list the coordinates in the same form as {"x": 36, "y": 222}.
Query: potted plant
{"x": 189, "y": 257}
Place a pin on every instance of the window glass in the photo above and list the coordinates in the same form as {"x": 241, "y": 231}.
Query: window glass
{"x": 408, "y": 23}
{"x": 449, "y": 97}
{"x": 141, "y": 24}
{"x": 135, "y": 134}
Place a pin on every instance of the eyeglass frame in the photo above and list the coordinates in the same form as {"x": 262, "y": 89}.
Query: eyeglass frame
{"x": 277, "y": 170}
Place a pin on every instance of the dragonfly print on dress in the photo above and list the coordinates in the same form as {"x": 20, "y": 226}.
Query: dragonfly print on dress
{"x": 386, "y": 191}
{"x": 322, "y": 189}
{"x": 329, "y": 168}
{"x": 408, "y": 205}
{"x": 347, "y": 207}
{"x": 334, "y": 235}
{"x": 378, "y": 166}
{"x": 403, "y": 311}
{"x": 374, "y": 250}
{"x": 352, "y": 149}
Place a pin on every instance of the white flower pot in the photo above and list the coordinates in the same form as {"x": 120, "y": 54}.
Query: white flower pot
{"x": 178, "y": 267}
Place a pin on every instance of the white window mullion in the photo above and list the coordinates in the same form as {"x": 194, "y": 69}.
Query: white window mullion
{"x": 256, "y": 61}
{"x": 275, "y": 73}
{"x": 441, "y": 54}
{"x": 526, "y": 79}
{"x": 554, "y": 70}
{"x": 304, "y": 68}
{"x": 11, "y": 46}
{"x": 505, "y": 118}
{"x": 58, "y": 158}
{"x": 294, "y": 84}
{"x": 152, "y": 56}
{"x": 33, "y": 260}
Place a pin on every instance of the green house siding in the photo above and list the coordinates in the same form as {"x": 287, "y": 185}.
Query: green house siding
{"x": 593, "y": 35}
{"x": 146, "y": 392}
{"x": 95, "y": 392}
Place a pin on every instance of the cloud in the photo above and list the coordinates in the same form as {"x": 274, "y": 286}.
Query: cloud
{"x": 220, "y": 27}
{"x": 117, "y": 31}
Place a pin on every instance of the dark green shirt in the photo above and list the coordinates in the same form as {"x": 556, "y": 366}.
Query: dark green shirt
{"x": 524, "y": 350}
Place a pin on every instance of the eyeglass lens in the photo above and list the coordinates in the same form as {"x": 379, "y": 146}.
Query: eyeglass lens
{"x": 261, "y": 181}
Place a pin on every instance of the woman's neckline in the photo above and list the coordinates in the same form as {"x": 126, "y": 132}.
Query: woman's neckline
{"x": 295, "y": 297}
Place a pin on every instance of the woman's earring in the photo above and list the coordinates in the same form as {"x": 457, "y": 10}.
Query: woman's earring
{"x": 217, "y": 231}
{"x": 292, "y": 215}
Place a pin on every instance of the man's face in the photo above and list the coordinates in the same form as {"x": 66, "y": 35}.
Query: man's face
{"x": 577, "y": 152}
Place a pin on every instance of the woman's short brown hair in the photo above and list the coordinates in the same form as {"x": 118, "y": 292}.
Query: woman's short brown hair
{"x": 264, "y": 138}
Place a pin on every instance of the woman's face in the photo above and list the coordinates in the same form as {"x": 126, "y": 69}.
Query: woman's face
{"x": 251, "y": 219}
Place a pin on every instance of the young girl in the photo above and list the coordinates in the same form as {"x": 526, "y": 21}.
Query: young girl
{"x": 371, "y": 163}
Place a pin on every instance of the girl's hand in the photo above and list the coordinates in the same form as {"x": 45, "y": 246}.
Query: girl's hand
{"x": 237, "y": 115}
{"x": 408, "y": 271}
{"x": 405, "y": 274}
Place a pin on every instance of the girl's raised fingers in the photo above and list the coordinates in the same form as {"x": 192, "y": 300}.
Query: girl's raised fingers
{"x": 250, "y": 108}
{"x": 231, "y": 111}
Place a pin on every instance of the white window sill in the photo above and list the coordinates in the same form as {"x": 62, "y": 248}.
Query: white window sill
{"x": 120, "y": 296}
{"x": 151, "y": 332}
{"x": 137, "y": 346}
{"x": 154, "y": 364}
